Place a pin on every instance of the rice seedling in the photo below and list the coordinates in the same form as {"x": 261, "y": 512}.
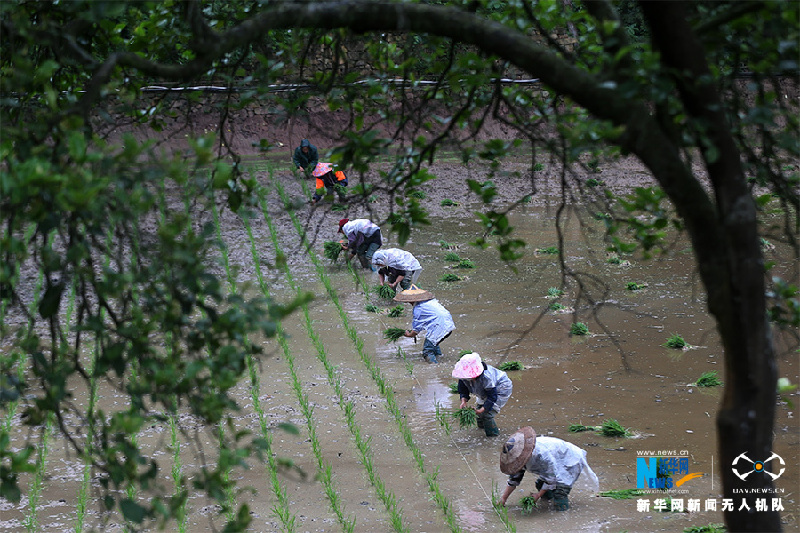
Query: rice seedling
{"x": 710, "y": 528}
{"x": 419, "y": 195}
{"x": 393, "y": 334}
{"x": 465, "y": 263}
{"x": 452, "y": 256}
{"x": 579, "y": 328}
{"x": 442, "y": 419}
{"x": 766, "y": 245}
{"x": 338, "y": 207}
{"x": 614, "y": 260}
{"x": 594, "y": 165}
{"x": 384, "y": 291}
{"x": 676, "y": 341}
{"x": 599, "y": 215}
{"x": 633, "y": 286}
{"x": 557, "y": 306}
{"x": 547, "y": 250}
{"x": 506, "y": 366}
{"x": 467, "y": 417}
{"x": 593, "y": 182}
{"x": 464, "y": 352}
{"x": 449, "y": 278}
{"x": 527, "y": 199}
{"x": 501, "y": 510}
{"x": 622, "y": 494}
{"x": 453, "y": 387}
{"x": 332, "y": 249}
{"x": 370, "y": 308}
{"x": 538, "y": 167}
{"x": 528, "y": 504}
{"x": 709, "y": 379}
{"x": 447, "y": 202}
{"x": 612, "y": 428}
{"x": 578, "y": 428}
{"x": 446, "y": 245}
{"x": 554, "y": 292}
{"x": 396, "y": 311}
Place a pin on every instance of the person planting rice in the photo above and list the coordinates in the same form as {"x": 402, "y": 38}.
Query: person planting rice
{"x": 328, "y": 182}
{"x": 429, "y": 316}
{"x": 400, "y": 267}
{"x": 558, "y": 464}
{"x": 305, "y": 157}
{"x": 490, "y": 386}
{"x": 363, "y": 239}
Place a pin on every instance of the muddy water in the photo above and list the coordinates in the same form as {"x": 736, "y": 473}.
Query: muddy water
{"x": 567, "y": 380}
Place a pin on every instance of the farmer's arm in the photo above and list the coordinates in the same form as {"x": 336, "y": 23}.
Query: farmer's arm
{"x": 513, "y": 482}
{"x": 463, "y": 392}
{"x": 491, "y": 399}
{"x": 411, "y": 333}
{"x": 397, "y": 281}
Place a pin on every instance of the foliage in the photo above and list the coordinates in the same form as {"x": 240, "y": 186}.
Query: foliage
{"x": 578, "y": 428}
{"x": 452, "y": 256}
{"x": 556, "y": 306}
{"x": 612, "y": 428}
{"x": 449, "y": 278}
{"x": 447, "y": 202}
{"x": 393, "y": 334}
{"x": 554, "y": 292}
{"x": 547, "y": 250}
{"x": 384, "y": 291}
{"x": 506, "y": 366}
{"x": 446, "y": 245}
{"x": 676, "y": 341}
{"x": 633, "y": 286}
{"x": 465, "y": 263}
{"x": 371, "y": 308}
{"x": 332, "y": 250}
{"x": 467, "y": 417}
{"x": 453, "y": 387}
{"x": 578, "y": 328}
{"x": 710, "y": 528}
{"x": 709, "y": 379}
{"x": 528, "y": 504}
{"x": 396, "y": 311}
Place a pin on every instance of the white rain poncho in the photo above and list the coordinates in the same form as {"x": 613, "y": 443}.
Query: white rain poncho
{"x": 557, "y": 462}
{"x": 396, "y": 258}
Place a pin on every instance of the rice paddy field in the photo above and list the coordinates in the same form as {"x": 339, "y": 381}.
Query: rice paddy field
{"x": 376, "y": 446}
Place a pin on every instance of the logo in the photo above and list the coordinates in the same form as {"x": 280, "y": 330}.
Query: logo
{"x": 750, "y": 466}
{"x": 658, "y": 472}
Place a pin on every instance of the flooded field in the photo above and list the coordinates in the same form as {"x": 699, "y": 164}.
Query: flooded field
{"x": 395, "y": 458}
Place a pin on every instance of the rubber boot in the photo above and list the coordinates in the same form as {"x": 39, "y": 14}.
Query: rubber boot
{"x": 480, "y": 421}
{"x": 490, "y": 427}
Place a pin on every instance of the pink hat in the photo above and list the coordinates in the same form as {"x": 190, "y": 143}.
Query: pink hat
{"x": 468, "y": 367}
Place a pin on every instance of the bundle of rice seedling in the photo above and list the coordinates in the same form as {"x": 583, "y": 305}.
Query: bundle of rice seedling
{"x": 396, "y": 311}
{"x": 577, "y": 428}
{"x": 332, "y": 250}
{"x": 393, "y": 334}
{"x": 579, "y": 328}
{"x": 467, "y": 417}
{"x": 510, "y": 365}
{"x": 612, "y": 428}
{"x": 709, "y": 379}
{"x": 453, "y": 388}
{"x": 528, "y": 504}
{"x": 451, "y": 256}
{"x": 448, "y": 202}
{"x": 450, "y": 278}
{"x": 385, "y": 291}
{"x": 463, "y": 353}
{"x": 465, "y": 263}
{"x": 446, "y": 245}
{"x": 369, "y": 308}
{"x": 676, "y": 341}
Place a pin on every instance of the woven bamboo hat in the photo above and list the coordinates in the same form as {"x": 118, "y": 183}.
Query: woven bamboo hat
{"x": 517, "y": 450}
{"x": 412, "y": 295}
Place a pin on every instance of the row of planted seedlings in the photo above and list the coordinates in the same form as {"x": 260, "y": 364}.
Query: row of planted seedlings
{"x": 362, "y": 442}
{"x": 384, "y": 387}
{"x": 324, "y": 471}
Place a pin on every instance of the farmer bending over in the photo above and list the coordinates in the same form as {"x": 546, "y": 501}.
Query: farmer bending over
{"x": 558, "y": 464}
{"x": 400, "y": 267}
{"x": 429, "y": 316}
{"x": 305, "y": 157}
{"x": 491, "y": 387}
{"x": 363, "y": 239}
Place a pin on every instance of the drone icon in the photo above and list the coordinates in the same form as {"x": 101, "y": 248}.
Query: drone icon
{"x": 758, "y": 466}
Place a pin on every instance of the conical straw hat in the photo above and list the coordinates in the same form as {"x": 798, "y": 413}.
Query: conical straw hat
{"x": 414, "y": 294}
{"x": 516, "y": 450}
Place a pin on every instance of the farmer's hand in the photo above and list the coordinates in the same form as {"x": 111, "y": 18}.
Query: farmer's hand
{"x": 463, "y": 403}
{"x": 481, "y": 410}
{"x": 410, "y": 333}
{"x": 301, "y": 169}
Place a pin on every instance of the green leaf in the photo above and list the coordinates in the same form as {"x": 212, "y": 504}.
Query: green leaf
{"x": 132, "y": 511}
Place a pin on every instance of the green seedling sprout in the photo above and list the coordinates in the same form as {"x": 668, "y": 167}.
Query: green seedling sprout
{"x": 709, "y": 379}
{"x": 557, "y": 306}
{"x": 579, "y": 328}
{"x": 467, "y": 417}
{"x": 446, "y": 245}
{"x": 510, "y": 365}
{"x": 449, "y": 278}
{"x": 554, "y": 292}
{"x": 453, "y": 388}
{"x": 452, "y": 256}
{"x": 396, "y": 311}
{"x": 528, "y": 504}
{"x": 393, "y": 334}
{"x": 612, "y": 428}
{"x": 332, "y": 250}
{"x": 676, "y": 341}
{"x": 465, "y": 263}
{"x": 447, "y": 202}
{"x": 547, "y": 250}
{"x": 578, "y": 428}
{"x": 370, "y": 308}
{"x": 633, "y": 286}
{"x": 384, "y": 291}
